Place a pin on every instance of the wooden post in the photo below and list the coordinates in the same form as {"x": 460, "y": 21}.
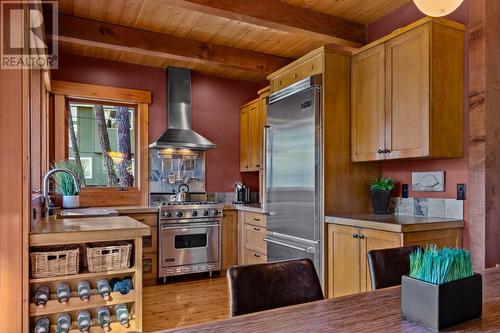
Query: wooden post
{"x": 484, "y": 128}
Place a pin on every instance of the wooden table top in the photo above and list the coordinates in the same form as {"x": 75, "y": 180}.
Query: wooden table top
{"x": 395, "y": 223}
{"x": 87, "y": 229}
{"x": 376, "y": 311}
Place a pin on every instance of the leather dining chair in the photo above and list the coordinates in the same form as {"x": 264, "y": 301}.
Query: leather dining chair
{"x": 387, "y": 266}
{"x": 272, "y": 285}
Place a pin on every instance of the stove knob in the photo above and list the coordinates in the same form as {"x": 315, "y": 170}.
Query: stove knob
{"x": 205, "y": 213}
{"x": 167, "y": 214}
{"x": 194, "y": 213}
{"x": 178, "y": 213}
{"x": 215, "y": 212}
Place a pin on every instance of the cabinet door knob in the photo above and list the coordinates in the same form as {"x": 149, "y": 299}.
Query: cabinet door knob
{"x": 355, "y": 236}
{"x": 380, "y": 151}
{"x": 387, "y": 150}
{"x": 361, "y": 236}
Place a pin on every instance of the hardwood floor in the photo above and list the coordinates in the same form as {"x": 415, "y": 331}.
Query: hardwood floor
{"x": 185, "y": 302}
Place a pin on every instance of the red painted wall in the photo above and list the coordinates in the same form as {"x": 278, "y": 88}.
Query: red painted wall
{"x": 456, "y": 170}
{"x": 215, "y": 101}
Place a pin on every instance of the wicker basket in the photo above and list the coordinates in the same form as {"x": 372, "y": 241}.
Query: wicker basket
{"x": 110, "y": 257}
{"x": 49, "y": 262}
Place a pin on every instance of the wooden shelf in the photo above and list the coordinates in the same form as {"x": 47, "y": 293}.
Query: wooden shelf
{"x": 83, "y": 275}
{"x": 75, "y": 303}
{"x": 116, "y": 327}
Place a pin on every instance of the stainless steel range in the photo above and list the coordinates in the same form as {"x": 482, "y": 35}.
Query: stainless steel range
{"x": 189, "y": 237}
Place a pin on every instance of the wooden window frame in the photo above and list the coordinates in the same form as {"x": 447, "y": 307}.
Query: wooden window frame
{"x": 103, "y": 196}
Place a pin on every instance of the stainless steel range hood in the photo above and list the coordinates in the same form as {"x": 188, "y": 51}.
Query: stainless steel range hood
{"x": 179, "y": 133}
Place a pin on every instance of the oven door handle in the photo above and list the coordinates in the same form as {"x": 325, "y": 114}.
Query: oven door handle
{"x": 298, "y": 248}
{"x": 200, "y": 225}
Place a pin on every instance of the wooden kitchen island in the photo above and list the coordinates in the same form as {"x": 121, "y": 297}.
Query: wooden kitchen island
{"x": 376, "y": 311}
{"x": 81, "y": 232}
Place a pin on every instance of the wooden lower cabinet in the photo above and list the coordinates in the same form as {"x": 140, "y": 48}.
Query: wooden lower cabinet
{"x": 253, "y": 257}
{"x": 348, "y": 271}
{"x": 149, "y": 247}
{"x": 252, "y": 230}
{"x": 229, "y": 239}
{"x": 149, "y": 269}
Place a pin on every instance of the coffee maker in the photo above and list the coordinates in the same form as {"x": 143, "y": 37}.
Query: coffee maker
{"x": 241, "y": 193}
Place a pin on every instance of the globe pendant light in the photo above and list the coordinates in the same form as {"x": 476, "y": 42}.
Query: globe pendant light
{"x": 437, "y": 8}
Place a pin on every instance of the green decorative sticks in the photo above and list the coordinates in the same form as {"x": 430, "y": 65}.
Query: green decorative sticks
{"x": 440, "y": 266}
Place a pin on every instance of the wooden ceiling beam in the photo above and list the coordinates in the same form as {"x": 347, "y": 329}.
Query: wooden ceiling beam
{"x": 281, "y": 16}
{"x": 111, "y": 36}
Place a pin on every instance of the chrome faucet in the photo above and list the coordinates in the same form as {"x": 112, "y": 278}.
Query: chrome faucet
{"x": 46, "y": 199}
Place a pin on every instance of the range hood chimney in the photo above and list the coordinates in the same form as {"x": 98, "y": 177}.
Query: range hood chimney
{"x": 179, "y": 134}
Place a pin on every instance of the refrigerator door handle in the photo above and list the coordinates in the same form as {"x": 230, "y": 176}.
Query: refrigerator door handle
{"x": 267, "y": 176}
{"x": 298, "y": 248}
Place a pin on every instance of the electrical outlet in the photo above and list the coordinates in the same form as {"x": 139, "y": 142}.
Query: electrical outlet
{"x": 461, "y": 191}
{"x": 404, "y": 191}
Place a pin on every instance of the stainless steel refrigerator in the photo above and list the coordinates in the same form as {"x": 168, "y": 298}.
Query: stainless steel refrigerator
{"x": 293, "y": 173}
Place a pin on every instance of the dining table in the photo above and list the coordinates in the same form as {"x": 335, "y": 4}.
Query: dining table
{"x": 373, "y": 311}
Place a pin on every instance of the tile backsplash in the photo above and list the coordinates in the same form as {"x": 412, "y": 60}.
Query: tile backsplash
{"x": 429, "y": 207}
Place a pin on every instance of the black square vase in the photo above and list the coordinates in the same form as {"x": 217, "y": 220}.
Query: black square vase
{"x": 442, "y": 306}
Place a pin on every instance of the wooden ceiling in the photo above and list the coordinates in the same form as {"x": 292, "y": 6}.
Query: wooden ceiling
{"x": 216, "y": 37}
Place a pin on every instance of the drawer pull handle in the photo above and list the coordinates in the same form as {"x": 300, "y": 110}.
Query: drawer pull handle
{"x": 256, "y": 219}
{"x": 294, "y": 75}
{"x": 256, "y": 255}
{"x": 141, "y": 220}
{"x": 256, "y": 229}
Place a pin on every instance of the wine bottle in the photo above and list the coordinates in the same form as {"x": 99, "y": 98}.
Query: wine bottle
{"x": 122, "y": 314}
{"x": 42, "y": 296}
{"x": 126, "y": 285}
{"x": 84, "y": 321}
{"x": 42, "y": 325}
{"x": 103, "y": 288}
{"x": 63, "y": 323}
{"x": 63, "y": 293}
{"x": 114, "y": 284}
{"x": 104, "y": 318}
{"x": 84, "y": 290}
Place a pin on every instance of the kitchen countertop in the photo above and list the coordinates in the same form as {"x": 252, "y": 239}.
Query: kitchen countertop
{"x": 253, "y": 207}
{"x": 395, "y": 223}
{"x": 88, "y": 229}
{"x": 105, "y": 211}
{"x": 370, "y": 312}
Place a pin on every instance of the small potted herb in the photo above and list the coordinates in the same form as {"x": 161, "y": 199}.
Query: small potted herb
{"x": 381, "y": 194}
{"x": 64, "y": 183}
{"x": 441, "y": 290}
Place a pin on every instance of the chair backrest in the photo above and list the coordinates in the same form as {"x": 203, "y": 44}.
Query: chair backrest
{"x": 272, "y": 285}
{"x": 387, "y": 266}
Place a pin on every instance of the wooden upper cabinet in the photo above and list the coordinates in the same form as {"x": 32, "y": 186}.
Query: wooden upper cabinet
{"x": 419, "y": 97}
{"x": 254, "y": 141}
{"x": 244, "y": 139}
{"x": 367, "y": 100}
{"x": 407, "y": 89}
{"x": 252, "y": 122}
{"x": 309, "y": 65}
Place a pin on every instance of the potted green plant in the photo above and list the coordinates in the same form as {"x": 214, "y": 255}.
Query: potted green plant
{"x": 441, "y": 289}
{"x": 64, "y": 183}
{"x": 381, "y": 194}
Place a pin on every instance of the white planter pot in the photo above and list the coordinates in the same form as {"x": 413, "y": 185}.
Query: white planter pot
{"x": 71, "y": 201}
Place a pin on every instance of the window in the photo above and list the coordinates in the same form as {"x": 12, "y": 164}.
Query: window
{"x": 101, "y": 139}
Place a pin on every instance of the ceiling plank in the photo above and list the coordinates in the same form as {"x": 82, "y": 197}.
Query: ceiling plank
{"x": 279, "y": 15}
{"x": 111, "y": 36}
